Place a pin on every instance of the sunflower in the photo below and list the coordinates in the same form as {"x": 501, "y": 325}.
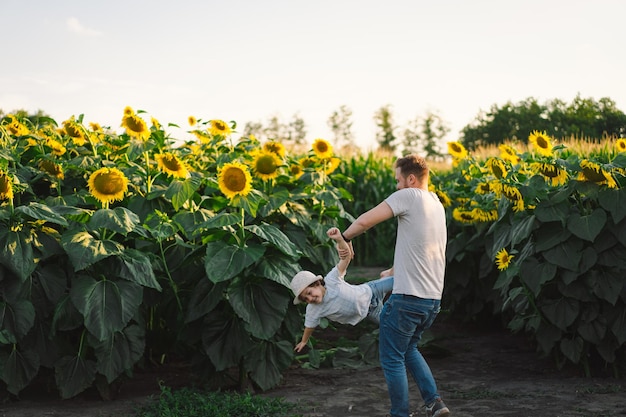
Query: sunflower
{"x": 555, "y": 175}
{"x": 95, "y": 127}
{"x": 57, "y": 147}
{"x": 497, "y": 167}
{"x": 128, "y": 111}
{"x": 296, "y": 171}
{"x": 508, "y": 153}
{"x": 463, "y": 216}
{"x": 108, "y": 185}
{"x": 322, "y": 148}
{"x": 6, "y": 187}
{"x": 234, "y": 180}
{"x": 51, "y": 168}
{"x": 541, "y": 141}
{"x": 481, "y": 215}
{"x": 273, "y": 147}
{"x": 620, "y": 145}
{"x": 192, "y": 121}
{"x": 457, "y": 150}
{"x": 443, "y": 197}
{"x": 219, "y": 127}
{"x": 331, "y": 165}
{"x": 593, "y": 172}
{"x": 135, "y": 126}
{"x": 514, "y": 195}
{"x": 265, "y": 165}
{"x": 155, "y": 123}
{"x": 503, "y": 259}
{"x": 171, "y": 165}
{"x": 75, "y": 131}
{"x": 15, "y": 127}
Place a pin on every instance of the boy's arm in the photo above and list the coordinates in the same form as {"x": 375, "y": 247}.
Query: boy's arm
{"x": 308, "y": 331}
{"x": 342, "y": 246}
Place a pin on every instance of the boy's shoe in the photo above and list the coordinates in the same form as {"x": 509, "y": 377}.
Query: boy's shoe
{"x": 437, "y": 409}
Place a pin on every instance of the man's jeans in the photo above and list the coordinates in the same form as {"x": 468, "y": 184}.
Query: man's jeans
{"x": 402, "y": 322}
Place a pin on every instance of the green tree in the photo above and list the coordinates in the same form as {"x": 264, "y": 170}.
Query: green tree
{"x": 424, "y": 135}
{"x": 385, "y": 135}
{"x": 340, "y": 123}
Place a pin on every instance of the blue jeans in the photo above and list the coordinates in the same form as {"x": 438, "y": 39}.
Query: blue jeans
{"x": 380, "y": 288}
{"x": 402, "y": 322}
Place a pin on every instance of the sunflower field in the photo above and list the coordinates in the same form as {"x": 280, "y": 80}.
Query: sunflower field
{"x": 126, "y": 249}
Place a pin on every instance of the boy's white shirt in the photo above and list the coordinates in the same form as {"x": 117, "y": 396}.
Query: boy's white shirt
{"x": 343, "y": 302}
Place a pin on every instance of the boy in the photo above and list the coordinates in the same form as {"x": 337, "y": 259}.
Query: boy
{"x": 332, "y": 297}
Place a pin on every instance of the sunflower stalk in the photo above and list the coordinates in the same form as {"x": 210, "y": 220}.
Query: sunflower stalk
{"x": 169, "y": 276}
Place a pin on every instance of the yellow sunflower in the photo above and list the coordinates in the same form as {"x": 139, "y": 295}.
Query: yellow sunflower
{"x": 128, "y": 111}
{"x": 322, "y": 148}
{"x": 6, "y": 187}
{"x": 296, "y": 171}
{"x": 620, "y": 145}
{"x": 108, "y": 185}
{"x": 192, "y": 121}
{"x": 555, "y": 175}
{"x": 457, "y": 150}
{"x": 52, "y": 168}
{"x": 514, "y": 195}
{"x": 481, "y": 215}
{"x": 75, "y": 131}
{"x": 497, "y": 167}
{"x": 219, "y": 127}
{"x": 234, "y": 179}
{"x": 508, "y": 153}
{"x": 463, "y": 216}
{"x": 541, "y": 141}
{"x": 95, "y": 127}
{"x": 483, "y": 187}
{"x": 57, "y": 147}
{"x": 593, "y": 172}
{"x": 171, "y": 165}
{"x": 15, "y": 127}
{"x": 273, "y": 147}
{"x": 503, "y": 259}
{"x": 443, "y": 197}
{"x": 155, "y": 123}
{"x": 265, "y": 165}
{"x": 135, "y": 126}
{"x": 331, "y": 165}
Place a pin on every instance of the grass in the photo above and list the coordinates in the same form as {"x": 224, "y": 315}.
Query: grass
{"x": 188, "y": 402}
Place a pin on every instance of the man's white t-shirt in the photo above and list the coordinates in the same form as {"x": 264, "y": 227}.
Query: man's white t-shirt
{"x": 344, "y": 303}
{"x": 420, "y": 254}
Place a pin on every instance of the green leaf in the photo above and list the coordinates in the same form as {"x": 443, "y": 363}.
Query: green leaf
{"x": 220, "y": 220}
{"x": 274, "y": 236}
{"x": 614, "y": 201}
{"x": 121, "y": 352}
{"x": 250, "y": 203}
{"x": 547, "y": 336}
{"x": 587, "y": 227}
{"x": 617, "y": 318}
{"x": 566, "y": 255}
{"x": 521, "y": 229}
{"x": 561, "y": 312}
{"x": 547, "y": 211}
{"x": 588, "y": 259}
{"x": 593, "y": 331}
{"x": 534, "y": 274}
{"x": 277, "y": 269}
{"x": 136, "y": 267}
{"x": 16, "y": 318}
{"x": 190, "y": 221}
{"x": 106, "y": 306}
{"x": 17, "y": 253}
{"x": 181, "y": 191}
{"x": 84, "y": 250}
{"x": 66, "y": 316}
{"x": 119, "y": 220}
{"x": 73, "y": 375}
{"x": 40, "y": 211}
{"x": 267, "y": 361}
{"x": 19, "y": 370}
{"x": 549, "y": 235}
{"x": 260, "y": 303}
{"x": 607, "y": 285}
{"x": 224, "y": 261}
{"x": 204, "y": 298}
{"x": 572, "y": 348}
{"x": 224, "y": 339}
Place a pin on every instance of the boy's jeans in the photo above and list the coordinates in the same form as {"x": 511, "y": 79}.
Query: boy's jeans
{"x": 402, "y": 322}
{"x": 380, "y": 288}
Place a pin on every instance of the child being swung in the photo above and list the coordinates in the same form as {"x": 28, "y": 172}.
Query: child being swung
{"x": 333, "y": 298}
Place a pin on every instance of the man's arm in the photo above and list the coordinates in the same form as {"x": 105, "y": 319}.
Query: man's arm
{"x": 367, "y": 220}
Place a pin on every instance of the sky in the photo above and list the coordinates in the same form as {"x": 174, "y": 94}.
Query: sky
{"x": 248, "y": 60}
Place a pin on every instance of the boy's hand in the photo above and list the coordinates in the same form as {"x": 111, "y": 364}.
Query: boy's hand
{"x": 334, "y": 233}
{"x": 299, "y": 346}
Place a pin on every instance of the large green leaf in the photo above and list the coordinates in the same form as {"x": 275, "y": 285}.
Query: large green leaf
{"x": 224, "y": 339}
{"x": 224, "y": 261}
{"x": 278, "y": 269}
{"x": 548, "y": 211}
{"x": 190, "y": 221}
{"x": 52, "y": 279}
{"x": 119, "y": 220}
{"x": 572, "y": 348}
{"x": 84, "y": 250}
{"x": 204, "y": 298}
{"x": 73, "y": 375}
{"x": 267, "y": 361}
{"x": 592, "y": 331}
{"x": 66, "y": 316}
{"x": 534, "y": 274}
{"x": 589, "y": 226}
{"x": 561, "y": 312}
{"x": 614, "y": 201}
{"x": 121, "y": 352}
{"x": 522, "y": 228}
{"x": 260, "y": 303}
{"x": 17, "y": 318}
{"x": 274, "y": 236}
{"x": 547, "y": 336}
{"x": 40, "y": 211}
{"x": 19, "y": 369}
{"x": 220, "y": 220}
{"x": 549, "y": 235}
{"x": 607, "y": 285}
{"x": 566, "y": 255}
{"x": 250, "y": 203}
{"x": 135, "y": 266}
{"x": 617, "y": 318}
{"x": 17, "y": 252}
{"x": 107, "y": 306}
{"x": 181, "y": 191}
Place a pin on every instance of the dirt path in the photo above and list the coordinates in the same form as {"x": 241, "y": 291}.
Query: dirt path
{"x": 482, "y": 373}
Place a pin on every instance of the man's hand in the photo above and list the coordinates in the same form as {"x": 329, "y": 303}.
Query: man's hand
{"x": 386, "y": 273}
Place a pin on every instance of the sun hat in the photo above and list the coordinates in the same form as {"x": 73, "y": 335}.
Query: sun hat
{"x": 302, "y": 280}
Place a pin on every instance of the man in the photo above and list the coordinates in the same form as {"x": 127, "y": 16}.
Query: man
{"x": 418, "y": 270}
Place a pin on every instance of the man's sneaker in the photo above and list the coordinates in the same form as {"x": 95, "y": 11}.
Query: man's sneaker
{"x": 437, "y": 409}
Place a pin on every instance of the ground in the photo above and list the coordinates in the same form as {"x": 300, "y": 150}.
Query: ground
{"x": 480, "y": 372}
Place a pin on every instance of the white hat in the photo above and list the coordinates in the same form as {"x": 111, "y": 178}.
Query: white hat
{"x": 302, "y": 280}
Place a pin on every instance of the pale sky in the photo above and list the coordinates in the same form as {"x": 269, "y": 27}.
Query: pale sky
{"x": 249, "y": 60}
